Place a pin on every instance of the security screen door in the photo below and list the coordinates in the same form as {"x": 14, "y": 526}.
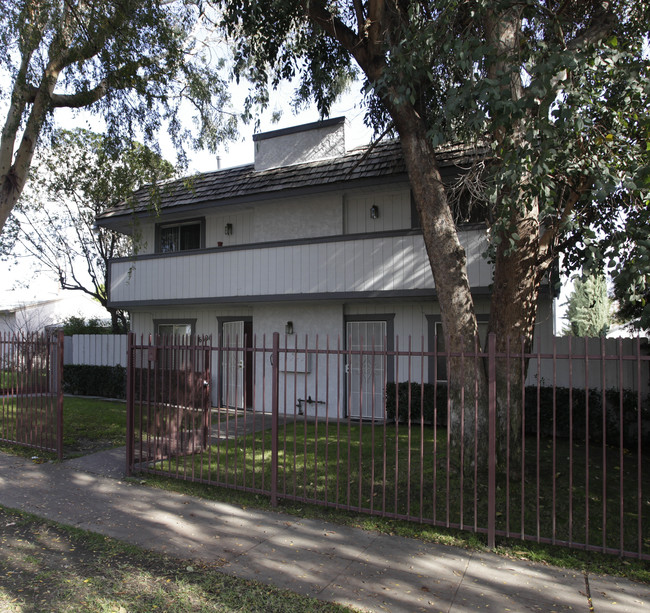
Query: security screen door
{"x": 232, "y": 364}
{"x": 366, "y": 368}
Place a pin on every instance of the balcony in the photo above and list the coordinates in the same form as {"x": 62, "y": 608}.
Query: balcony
{"x": 344, "y": 266}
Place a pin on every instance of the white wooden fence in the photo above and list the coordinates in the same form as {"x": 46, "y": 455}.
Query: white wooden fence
{"x": 96, "y": 349}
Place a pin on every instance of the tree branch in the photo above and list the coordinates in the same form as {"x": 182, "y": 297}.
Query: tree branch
{"x": 602, "y": 26}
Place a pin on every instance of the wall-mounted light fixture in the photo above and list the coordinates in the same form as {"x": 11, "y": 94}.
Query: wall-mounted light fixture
{"x": 228, "y": 229}
{"x": 374, "y": 211}
{"x": 288, "y": 329}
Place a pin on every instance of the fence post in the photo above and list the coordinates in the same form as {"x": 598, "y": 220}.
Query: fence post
{"x": 275, "y": 362}
{"x": 130, "y": 439}
{"x": 492, "y": 412}
{"x": 59, "y": 395}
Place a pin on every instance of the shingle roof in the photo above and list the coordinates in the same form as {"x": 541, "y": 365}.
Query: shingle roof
{"x": 221, "y": 186}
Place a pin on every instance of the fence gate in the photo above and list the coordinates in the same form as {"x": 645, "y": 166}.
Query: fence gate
{"x": 31, "y": 373}
{"x": 168, "y": 399}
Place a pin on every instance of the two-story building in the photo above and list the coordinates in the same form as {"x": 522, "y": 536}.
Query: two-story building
{"x": 309, "y": 240}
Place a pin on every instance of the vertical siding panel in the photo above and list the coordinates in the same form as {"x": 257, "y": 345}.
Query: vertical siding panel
{"x": 186, "y": 272}
{"x": 240, "y": 258}
{"x": 293, "y": 266}
{"x": 322, "y": 267}
{"x": 273, "y": 271}
{"x": 239, "y": 263}
{"x": 304, "y": 254}
{"x": 277, "y": 275}
{"x": 256, "y": 272}
{"x": 220, "y": 279}
{"x": 265, "y": 270}
{"x": 331, "y": 267}
{"x": 314, "y": 273}
{"x": 248, "y": 271}
{"x": 211, "y": 281}
{"x": 368, "y": 249}
{"x": 382, "y": 269}
{"x": 358, "y": 265}
{"x": 137, "y": 284}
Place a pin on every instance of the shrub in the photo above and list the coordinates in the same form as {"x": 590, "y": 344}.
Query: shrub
{"x": 571, "y": 414}
{"x": 103, "y": 381}
{"x": 435, "y": 397}
{"x": 576, "y": 410}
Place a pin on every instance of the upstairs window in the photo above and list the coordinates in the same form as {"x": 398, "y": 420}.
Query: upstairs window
{"x": 180, "y": 236}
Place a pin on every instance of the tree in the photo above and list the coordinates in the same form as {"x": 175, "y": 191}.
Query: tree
{"x": 555, "y": 89}
{"x": 630, "y": 250}
{"x": 589, "y": 306}
{"x": 78, "y": 178}
{"x": 132, "y": 61}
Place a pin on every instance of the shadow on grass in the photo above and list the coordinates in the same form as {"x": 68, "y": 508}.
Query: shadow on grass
{"x": 46, "y": 566}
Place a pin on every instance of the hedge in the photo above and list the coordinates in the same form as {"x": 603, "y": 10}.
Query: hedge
{"x": 565, "y": 421}
{"x": 103, "y": 381}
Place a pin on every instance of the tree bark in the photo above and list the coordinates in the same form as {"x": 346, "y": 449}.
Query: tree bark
{"x": 515, "y": 289}
{"x": 466, "y": 376}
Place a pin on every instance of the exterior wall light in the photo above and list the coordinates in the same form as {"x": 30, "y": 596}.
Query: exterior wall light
{"x": 228, "y": 229}
{"x": 288, "y": 329}
{"x": 374, "y": 211}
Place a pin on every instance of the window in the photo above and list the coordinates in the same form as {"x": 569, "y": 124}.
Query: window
{"x": 180, "y": 236}
{"x": 174, "y": 336}
{"x": 171, "y": 330}
{"x": 441, "y": 366}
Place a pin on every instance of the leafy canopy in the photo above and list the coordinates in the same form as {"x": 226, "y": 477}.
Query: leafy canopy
{"x": 80, "y": 176}
{"x": 142, "y": 65}
{"x": 559, "y": 90}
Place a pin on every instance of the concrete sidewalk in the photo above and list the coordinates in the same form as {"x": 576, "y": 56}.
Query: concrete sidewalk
{"x": 365, "y": 570}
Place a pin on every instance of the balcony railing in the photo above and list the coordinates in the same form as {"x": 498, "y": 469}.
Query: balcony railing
{"x": 387, "y": 263}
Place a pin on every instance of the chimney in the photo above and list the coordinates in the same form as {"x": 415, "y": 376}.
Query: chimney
{"x": 321, "y": 140}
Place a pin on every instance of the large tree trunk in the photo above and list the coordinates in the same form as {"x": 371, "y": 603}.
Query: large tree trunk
{"x": 512, "y": 320}
{"x": 466, "y": 375}
{"x": 14, "y": 165}
{"x": 516, "y": 285}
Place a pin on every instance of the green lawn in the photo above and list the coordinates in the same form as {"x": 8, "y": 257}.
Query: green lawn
{"x": 407, "y": 477}
{"x": 89, "y": 424}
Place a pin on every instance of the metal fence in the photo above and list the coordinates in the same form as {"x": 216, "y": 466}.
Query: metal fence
{"x": 31, "y": 396}
{"x": 372, "y": 431}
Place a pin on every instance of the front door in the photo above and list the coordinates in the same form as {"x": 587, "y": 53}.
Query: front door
{"x": 366, "y": 368}
{"x": 232, "y": 364}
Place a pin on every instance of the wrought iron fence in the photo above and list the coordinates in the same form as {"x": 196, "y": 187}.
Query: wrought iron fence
{"x": 31, "y": 412}
{"x": 556, "y": 454}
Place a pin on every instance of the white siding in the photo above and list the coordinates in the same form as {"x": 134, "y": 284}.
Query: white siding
{"x": 372, "y": 264}
{"x": 98, "y": 349}
{"x": 362, "y": 265}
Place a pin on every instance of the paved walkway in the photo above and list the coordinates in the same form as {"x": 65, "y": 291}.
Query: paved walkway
{"x": 365, "y": 570}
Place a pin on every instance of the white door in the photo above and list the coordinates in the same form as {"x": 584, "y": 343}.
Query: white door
{"x": 366, "y": 368}
{"x": 232, "y": 364}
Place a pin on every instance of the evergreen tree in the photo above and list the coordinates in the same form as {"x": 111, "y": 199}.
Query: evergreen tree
{"x": 589, "y": 307}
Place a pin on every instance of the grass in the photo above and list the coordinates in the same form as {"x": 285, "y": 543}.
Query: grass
{"x": 94, "y": 424}
{"x": 409, "y": 478}
{"x": 89, "y": 425}
{"x": 45, "y": 566}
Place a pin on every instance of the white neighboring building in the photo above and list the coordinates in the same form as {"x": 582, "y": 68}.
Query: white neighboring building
{"x": 310, "y": 239}
{"x": 27, "y": 315}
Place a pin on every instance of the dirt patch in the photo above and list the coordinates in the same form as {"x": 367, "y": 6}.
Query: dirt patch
{"x": 85, "y": 446}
